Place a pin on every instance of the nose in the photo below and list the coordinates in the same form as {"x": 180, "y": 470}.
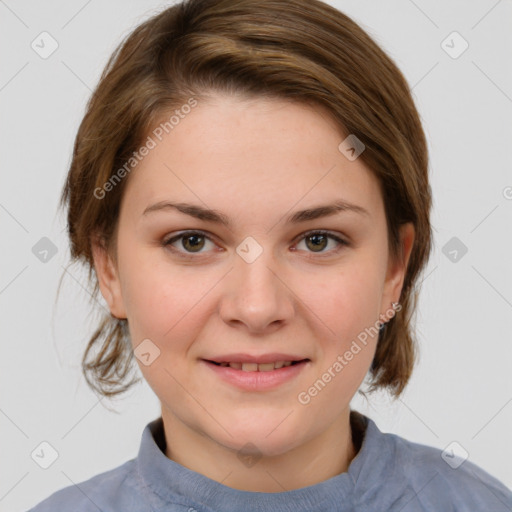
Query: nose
{"x": 256, "y": 296}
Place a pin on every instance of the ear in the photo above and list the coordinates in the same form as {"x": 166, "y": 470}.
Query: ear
{"x": 108, "y": 278}
{"x": 397, "y": 268}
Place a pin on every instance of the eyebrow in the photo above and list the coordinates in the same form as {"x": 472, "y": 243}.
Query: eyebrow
{"x": 215, "y": 216}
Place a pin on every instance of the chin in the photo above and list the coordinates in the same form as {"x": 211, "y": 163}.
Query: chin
{"x": 268, "y": 438}
{"x": 259, "y": 445}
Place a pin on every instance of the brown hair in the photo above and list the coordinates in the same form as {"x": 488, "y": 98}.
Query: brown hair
{"x": 300, "y": 50}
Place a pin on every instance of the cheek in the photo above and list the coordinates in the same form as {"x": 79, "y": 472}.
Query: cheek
{"x": 167, "y": 305}
{"x": 163, "y": 301}
{"x": 349, "y": 306}
{"x": 347, "y": 300}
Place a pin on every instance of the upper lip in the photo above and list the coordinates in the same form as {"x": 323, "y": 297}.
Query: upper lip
{"x": 249, "y": 358}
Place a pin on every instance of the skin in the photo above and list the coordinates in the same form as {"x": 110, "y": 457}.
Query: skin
{"x": 256, "y": 161}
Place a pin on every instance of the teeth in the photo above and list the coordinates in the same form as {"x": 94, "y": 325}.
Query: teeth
{"x": 262, "y": 367}
{"x": 250, "y": 367}
{"x": 257, "y": 367}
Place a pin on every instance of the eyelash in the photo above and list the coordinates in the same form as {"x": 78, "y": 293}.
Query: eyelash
{"x": 189, "y": 255}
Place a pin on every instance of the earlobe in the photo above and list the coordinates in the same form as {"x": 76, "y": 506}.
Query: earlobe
{"x": 108, "y": 278}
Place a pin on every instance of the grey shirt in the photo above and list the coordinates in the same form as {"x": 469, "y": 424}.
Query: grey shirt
{"x": 388, "y": 473}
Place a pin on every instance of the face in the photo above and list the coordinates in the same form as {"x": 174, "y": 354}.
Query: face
{"x": 266, "y": 286}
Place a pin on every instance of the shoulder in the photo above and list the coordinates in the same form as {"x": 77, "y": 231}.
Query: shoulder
{"x": 116, "y": 489}
{"x": 442, "y": 480}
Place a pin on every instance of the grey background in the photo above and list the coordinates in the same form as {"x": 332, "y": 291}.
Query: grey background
{"x": 461, "y": 390}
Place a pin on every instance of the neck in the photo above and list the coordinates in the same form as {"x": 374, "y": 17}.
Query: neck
{"x": 322, "y": 457}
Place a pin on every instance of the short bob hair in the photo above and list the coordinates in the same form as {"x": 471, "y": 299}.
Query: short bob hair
{"x": 300, "y": 50}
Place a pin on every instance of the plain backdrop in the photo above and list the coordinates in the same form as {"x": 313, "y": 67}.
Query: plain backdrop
{"x": 461, "y": 391}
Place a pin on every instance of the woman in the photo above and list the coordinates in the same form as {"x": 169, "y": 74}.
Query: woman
{"x": 249, "y": 190}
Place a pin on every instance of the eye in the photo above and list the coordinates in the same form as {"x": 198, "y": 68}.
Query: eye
{"x": 317, "y": 241}
{"x": 191, "y": 242}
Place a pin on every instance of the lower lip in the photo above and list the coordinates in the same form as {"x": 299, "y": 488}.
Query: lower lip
{"x": 257, "y": 381}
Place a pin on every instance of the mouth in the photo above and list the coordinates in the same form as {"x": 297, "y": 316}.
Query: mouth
{"x": 256, "y": 374}
{"x": 257, "y": 367}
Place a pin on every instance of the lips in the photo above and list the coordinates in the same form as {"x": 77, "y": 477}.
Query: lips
{"x": 253, "y": 373}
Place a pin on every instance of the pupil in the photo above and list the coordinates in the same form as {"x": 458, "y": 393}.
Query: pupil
{"x": 319, "y": 241}
{"x": 195, "y": 244}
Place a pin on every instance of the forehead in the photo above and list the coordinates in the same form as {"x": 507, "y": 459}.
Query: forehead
{"x": 236, "y": 154}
